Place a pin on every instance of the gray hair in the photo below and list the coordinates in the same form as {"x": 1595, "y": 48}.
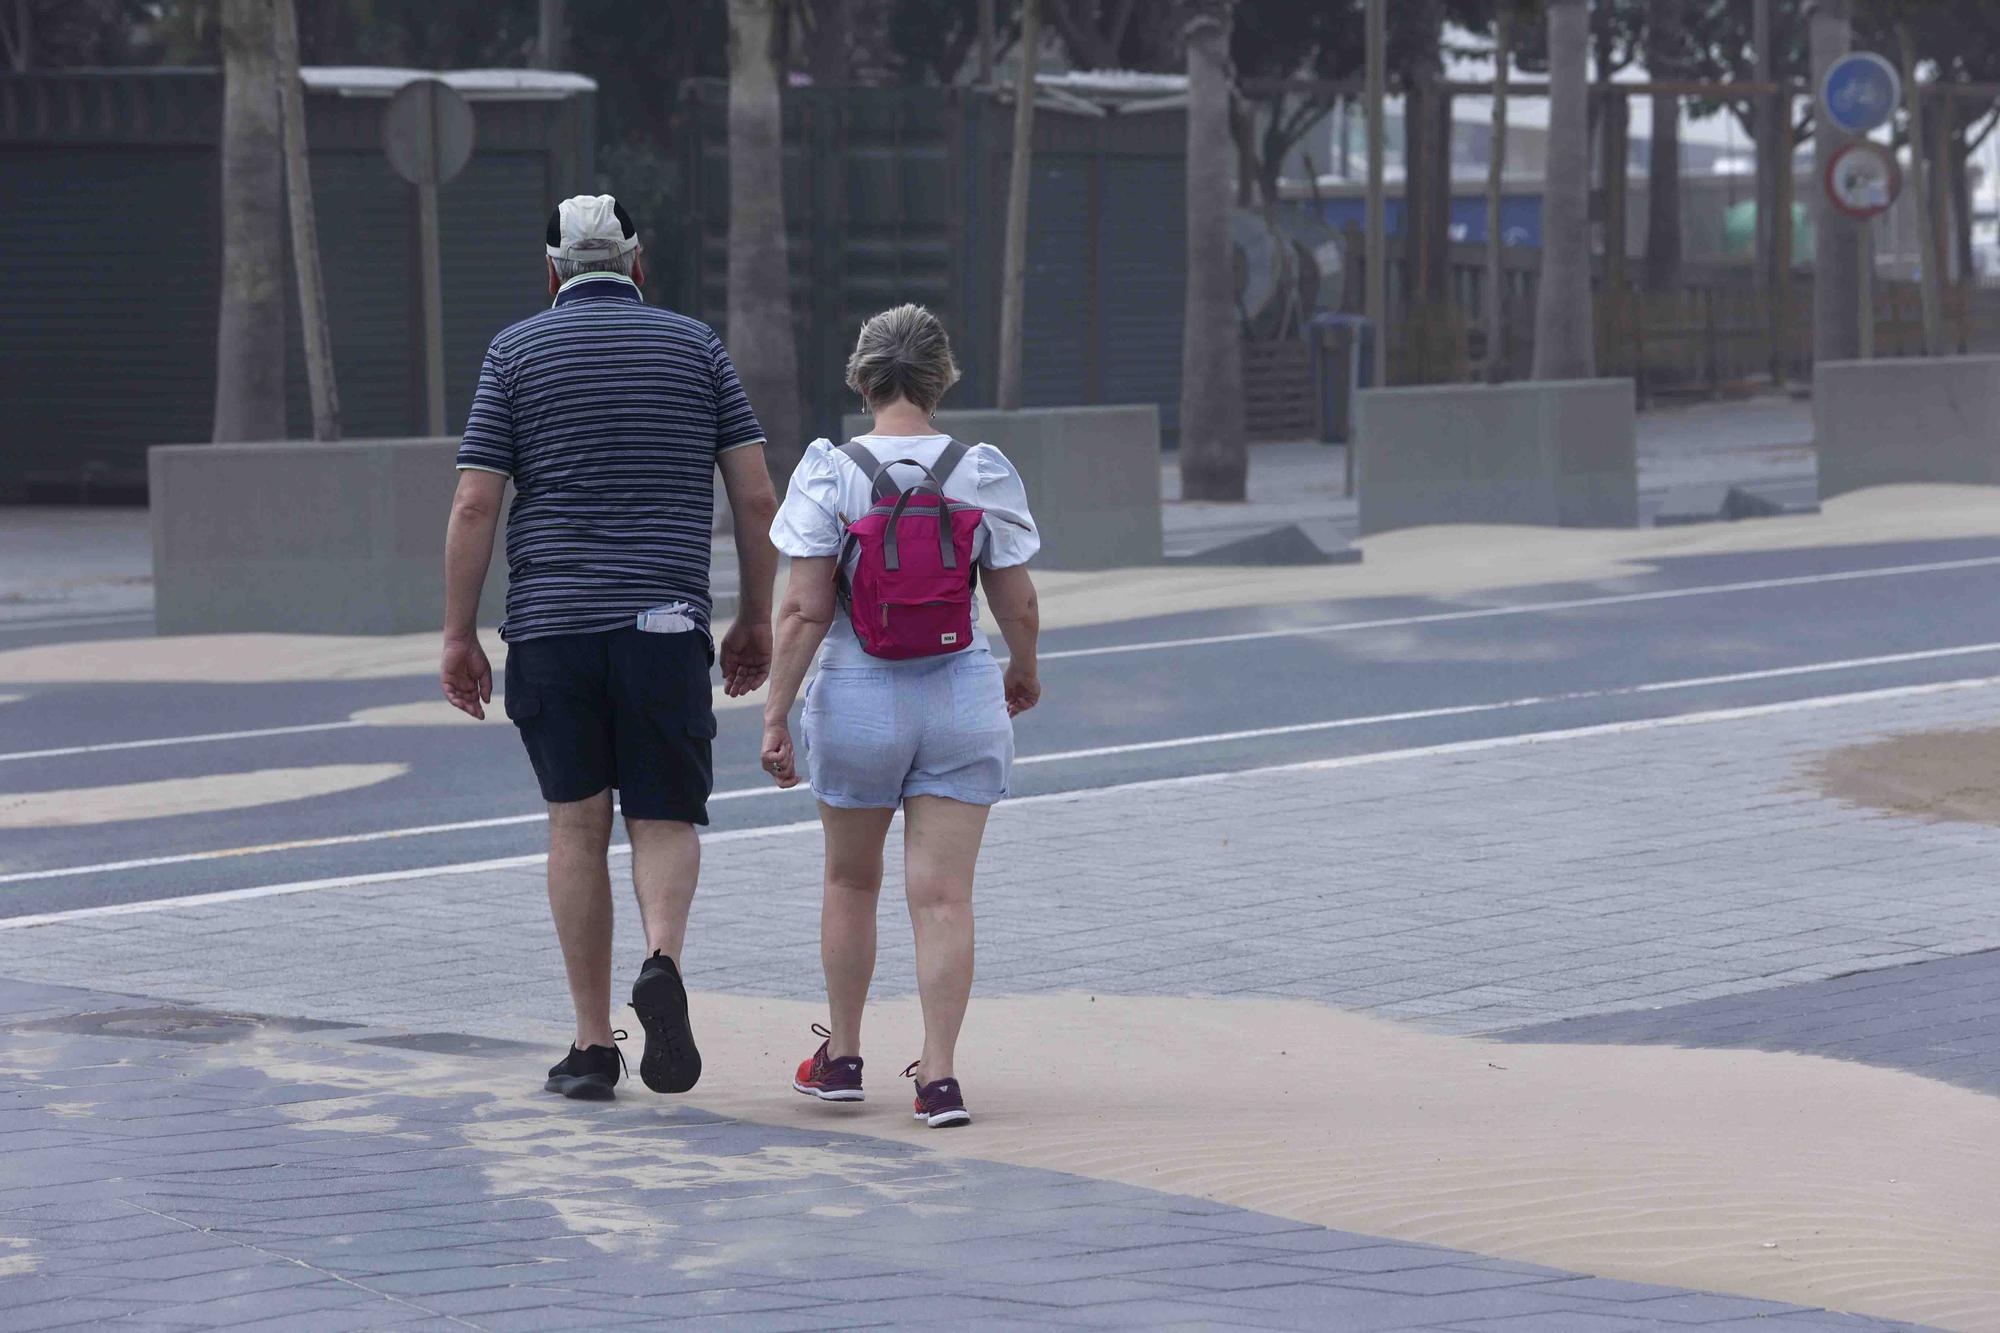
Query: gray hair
{"x": 569, "y": 268}
{"x": 902, "y": 353}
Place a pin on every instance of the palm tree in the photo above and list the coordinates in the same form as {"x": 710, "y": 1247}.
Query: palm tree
{"x": 759, "y": 307}
{"x": 1014, "y": 261}
{"x": 1564, "y": 347}
{"x": 1496, "y": 183}
{"x": 1213, "y": 463}
{"x": 250, "y": 330}
{"x": 1663, "y": 171}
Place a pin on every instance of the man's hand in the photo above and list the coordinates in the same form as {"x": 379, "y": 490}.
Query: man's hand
{"x": 467, "y": 678}
{"x": 746, "y": 656}
{"x": 1024, "y": 689}
{"x": 779, "y": 761}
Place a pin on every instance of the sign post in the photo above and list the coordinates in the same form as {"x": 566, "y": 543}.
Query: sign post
{"x": 427, "y": 134}
{"x": 1857, "y": 97}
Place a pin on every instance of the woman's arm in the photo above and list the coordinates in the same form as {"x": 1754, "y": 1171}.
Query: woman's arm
{"x": 1011, "y": 594}
{"x": 803, "y": 619}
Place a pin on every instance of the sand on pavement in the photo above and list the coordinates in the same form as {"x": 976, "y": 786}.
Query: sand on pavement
{"x": 1936, "y": 775}
{"x": 1782, "y": 1176}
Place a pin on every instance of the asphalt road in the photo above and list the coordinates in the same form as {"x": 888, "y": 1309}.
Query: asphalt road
{"x": 1125, "y": 702}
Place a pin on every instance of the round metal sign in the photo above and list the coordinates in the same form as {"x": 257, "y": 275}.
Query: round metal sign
{"x": 1862, "y": 179}
{"x": 1860, "y": 92}
{"x": 427, "y": 132}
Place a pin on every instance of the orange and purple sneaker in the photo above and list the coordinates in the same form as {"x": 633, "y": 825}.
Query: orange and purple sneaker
{"x": 939, "y": 1103}
{"x": 828, "y": 1079}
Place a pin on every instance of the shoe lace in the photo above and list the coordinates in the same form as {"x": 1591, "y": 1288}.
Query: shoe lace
{"x": 822, "y": 1031}
{"x": 911, "y": 1072}
{"x": 618, "y": 1035}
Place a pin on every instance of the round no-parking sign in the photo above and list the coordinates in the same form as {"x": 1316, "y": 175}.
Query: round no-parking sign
{"x": 1862, "y": 179}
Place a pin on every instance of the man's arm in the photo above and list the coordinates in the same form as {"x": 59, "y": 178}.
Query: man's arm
{"x": 468, "y": 550}
{"x": 746, "y": 649}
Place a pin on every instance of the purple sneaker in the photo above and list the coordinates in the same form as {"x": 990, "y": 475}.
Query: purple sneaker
{"x": 829, "y": 1080}
{"x": 939, "y": 1104}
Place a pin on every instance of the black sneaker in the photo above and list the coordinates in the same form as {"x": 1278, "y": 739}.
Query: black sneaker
{"x": 588, "y": 1075}
{"x": 671, "y": 1063}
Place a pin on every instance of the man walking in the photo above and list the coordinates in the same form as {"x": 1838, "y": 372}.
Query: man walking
{"x": 611, "y": 417}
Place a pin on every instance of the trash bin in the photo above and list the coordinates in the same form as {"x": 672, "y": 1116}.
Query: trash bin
{"x": 1343, "y": 361}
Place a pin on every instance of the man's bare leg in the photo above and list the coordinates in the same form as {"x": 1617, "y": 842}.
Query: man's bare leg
{"x": 580, "y": 901}
{"x": 666, "y": 862}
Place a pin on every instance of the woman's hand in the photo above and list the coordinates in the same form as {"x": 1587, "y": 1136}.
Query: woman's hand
{"x": 1024, "y": 688}
{"x": 778, "y": 759}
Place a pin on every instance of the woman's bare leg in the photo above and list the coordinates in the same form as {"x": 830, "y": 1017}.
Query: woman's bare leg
{"x": 940, "y": 846}
{"x": 847, "y": 917}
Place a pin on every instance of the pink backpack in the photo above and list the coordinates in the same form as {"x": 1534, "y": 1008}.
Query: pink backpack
{"x": 907, "y": 568}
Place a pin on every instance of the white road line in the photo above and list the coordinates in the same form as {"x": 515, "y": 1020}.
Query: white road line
{"x": 1198, "y": 641}
{"x": 1461, "y": 710}
{"x": 1523, "y": 608}
{"x": 1516, "y": 740}
{"x": 352, "y": 881}
{"x": 1059, "y": 756}
{"x": 104, "y": 747}
{"x": 334, "y": 840}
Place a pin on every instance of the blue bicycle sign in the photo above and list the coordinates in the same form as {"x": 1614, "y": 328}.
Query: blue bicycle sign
{"x": 1860, "y": 92}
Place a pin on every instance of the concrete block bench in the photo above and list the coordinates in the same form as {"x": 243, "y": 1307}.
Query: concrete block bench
{"x": 1559, "y": 453}
{"x": 300, "y": 537}
{"x": 1092, "y": 474}
{"x": 1911, "y": 419}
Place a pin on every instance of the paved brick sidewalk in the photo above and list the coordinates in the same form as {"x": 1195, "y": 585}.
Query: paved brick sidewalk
{"x": 1473, "y": 892}
{"x": 178, "y": 1169}
{"x": 230, "y": 1171}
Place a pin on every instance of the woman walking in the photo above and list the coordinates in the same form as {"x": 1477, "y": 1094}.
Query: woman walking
{"x": 884, "y": 726}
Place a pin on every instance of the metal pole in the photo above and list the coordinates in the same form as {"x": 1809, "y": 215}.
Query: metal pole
{"x": 1865, "y": 250}
{"x": 433, "y": 288}
{"x": 1377, "y": 242}
{"x": 305, "y": 229}
{"x": 1931, "y": 287}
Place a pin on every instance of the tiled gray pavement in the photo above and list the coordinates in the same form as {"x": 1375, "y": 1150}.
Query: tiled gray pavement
{"x": 1471, "y": 891}
{"x": 190, "y": 1170}
{"x": 1940, "y": 1019}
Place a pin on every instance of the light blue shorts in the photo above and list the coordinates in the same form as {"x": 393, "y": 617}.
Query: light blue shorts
{"x": 877, "y": 735}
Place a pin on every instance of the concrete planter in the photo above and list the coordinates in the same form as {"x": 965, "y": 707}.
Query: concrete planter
{"x": 1092, "y": 473}
{"x": 1913, "y": 419}
{"x": 1560, "y": 453}
{"x": 309, "y": 538}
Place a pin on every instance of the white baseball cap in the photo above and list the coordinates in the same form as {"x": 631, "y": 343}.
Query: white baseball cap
{"x": 591, "y": 226}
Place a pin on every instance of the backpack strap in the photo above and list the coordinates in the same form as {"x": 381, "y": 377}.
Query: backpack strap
{"x": 948, "y": 461}
{"x": 872, "y": 468}
{"x": 877, "y": 471}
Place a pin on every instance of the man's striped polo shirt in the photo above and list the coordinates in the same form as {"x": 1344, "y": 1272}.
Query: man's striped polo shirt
{"x": 608, "y": 414}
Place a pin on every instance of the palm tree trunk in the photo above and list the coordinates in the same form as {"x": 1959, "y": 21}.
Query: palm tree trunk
{"x": 1496, "y": 182}
{"x": 759, "y": 307}
{"x": 250, "y": 330}
{"x": 1212, "y": 458}
{"x": 1837, "y": 240}
{"x": 1020, "y": 171}
{"x": 1663, "y": 169}
{"x": 1564, "y": 346}
{"x": 1930, "y": 286}
{"x": 316, "y": 335}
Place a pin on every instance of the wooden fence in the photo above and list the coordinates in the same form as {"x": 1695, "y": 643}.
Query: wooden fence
{"x": 1714, "y": 331}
